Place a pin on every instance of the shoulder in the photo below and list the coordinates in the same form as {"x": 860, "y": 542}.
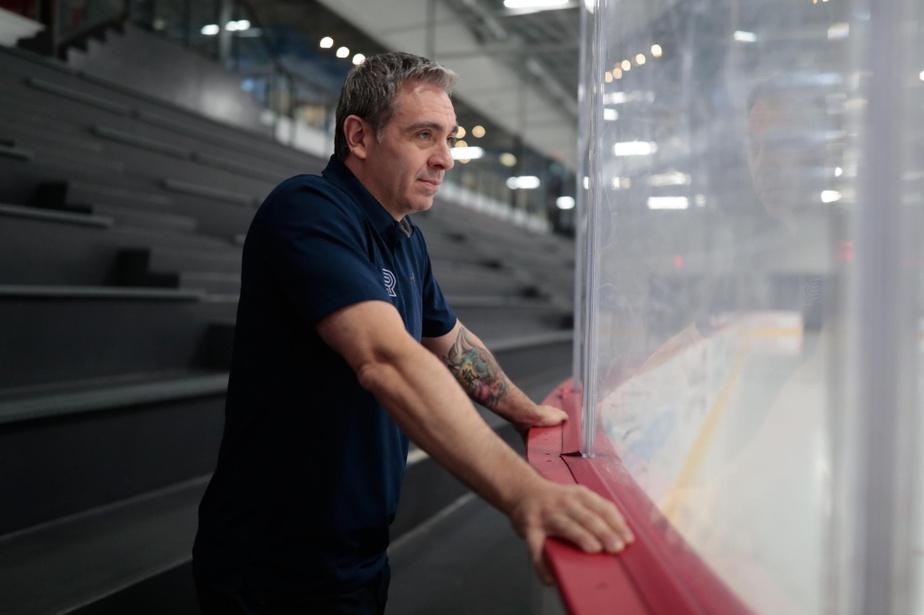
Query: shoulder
{"x": 307, "y": 201}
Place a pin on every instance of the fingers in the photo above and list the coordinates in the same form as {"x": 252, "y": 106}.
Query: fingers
{"x": 550, "y": 415}
{"x": 535, "y": 540}
{"x": 568, "y": 527}
{"x": 605, "y": 535}
{"x": 609, "y": 514}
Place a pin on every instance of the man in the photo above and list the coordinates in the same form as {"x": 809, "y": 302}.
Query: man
{"x": 335, "y": 365}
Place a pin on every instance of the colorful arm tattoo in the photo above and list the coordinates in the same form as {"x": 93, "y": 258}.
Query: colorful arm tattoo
{"x": 476, "y": 370}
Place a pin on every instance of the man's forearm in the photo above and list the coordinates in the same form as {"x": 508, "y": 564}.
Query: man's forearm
{"x": 434, "y": 412}
{"x": 480, "y": 375}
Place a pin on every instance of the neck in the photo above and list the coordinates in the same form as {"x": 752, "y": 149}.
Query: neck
{"x": 358, "y": 169}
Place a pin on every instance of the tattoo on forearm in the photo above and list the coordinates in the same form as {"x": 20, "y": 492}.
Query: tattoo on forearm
{"x": 476, "y": 370}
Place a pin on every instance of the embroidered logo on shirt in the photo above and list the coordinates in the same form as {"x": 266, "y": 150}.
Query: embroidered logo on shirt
{"x": 390, "y": 282}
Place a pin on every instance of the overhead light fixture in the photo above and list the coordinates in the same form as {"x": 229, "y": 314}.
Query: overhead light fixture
{"x": 327, "y": 42}
{"x": 745, "y": 37}
{"x": 634, "y": 148}
{"x": 837, "y": 31}
{"x": 359, "y": 59}
{"x": 565, "y": 202}
{"x": 461, "y": 144}
{"x": 210, "y": 29}
{"x": 608, "y": 77}
{"x": 466, "y": 153}
{"x": 671, "y": 178}
{"x": 610, "y": 115}
{"x": 620, "y": 183}
{"x": 238, "y": 26}
{"x": 656, "y": 51}
{"x": 535, "y": 5}
{"x": 523, "y": 182}
{"x": 617, "y": 73}
{"x": 626, "y": 65}
{"x": 830, "y": 196}
{"x": 508, "y": 160}
{"x": 838, "y": 171}
{"x": 586, "y": 183}
{"x": 460, "y": 132}
{"x": 640, "y": 58}
{"x": 921, "y": 75}
{"x": 478, "y": 131}
{"x": 668, "y": 202}
{"x": 343, "y": 52}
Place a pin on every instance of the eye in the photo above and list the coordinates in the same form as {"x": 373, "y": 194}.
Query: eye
{"x": 424, "y": 135}
{"x": 452, "y": 141}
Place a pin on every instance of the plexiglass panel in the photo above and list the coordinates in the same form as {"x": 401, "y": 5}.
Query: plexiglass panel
{"x": 753, "y": 286}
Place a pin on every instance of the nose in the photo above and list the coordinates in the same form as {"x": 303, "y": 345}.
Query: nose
{"x": 442, "y": 157}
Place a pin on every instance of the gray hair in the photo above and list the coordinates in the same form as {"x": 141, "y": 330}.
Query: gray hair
{"x": 370, "y": 89}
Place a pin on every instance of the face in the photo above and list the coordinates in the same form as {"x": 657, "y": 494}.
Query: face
{"x": 785, "y": 157}
{"x": 403, "y": 166}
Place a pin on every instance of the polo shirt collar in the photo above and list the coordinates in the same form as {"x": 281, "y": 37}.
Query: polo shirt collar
{"x": 382, "y": 221}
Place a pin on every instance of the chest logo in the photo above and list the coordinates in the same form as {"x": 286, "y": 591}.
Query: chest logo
{"x": 390, "y": 282}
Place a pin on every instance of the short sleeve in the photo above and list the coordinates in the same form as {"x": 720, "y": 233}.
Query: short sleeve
{"x": 438, "y": 317}
{"x": 317, "y": 254}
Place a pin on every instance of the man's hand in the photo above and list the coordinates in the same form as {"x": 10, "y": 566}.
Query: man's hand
{"x": 573, "y": 513}
{"x": 535, "y": 415}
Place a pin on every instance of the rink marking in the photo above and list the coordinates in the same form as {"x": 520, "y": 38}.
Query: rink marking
{"x": 700, "y": 447}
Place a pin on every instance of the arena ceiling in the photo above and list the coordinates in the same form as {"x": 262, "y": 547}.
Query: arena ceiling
{"x": 518, "y": 69}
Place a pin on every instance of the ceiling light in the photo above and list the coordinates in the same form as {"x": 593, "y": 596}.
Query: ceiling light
{"x": 460, "y": 132}
{"x": 618, "y": 183}
{"x": 671, "y": 178}
{"x": 668, "y": 202}
{"x": 210, "y": 29}
{"x": 586, "y": 183}
{"x": 656, "y": 50}
{"x": 359, "y": 59}
{"x": 626, "y": 65}
{"x": 610, "y": 115}
{"x": 343, "y": 52}
{"x": 523, "y": 182}
{"x": 830, "y": 196}
{"x": 634, "y": 148}
{"x": 745, "y": 37}
{"x": 608, "y": 77}
{"x": 327, "y": 42}
{"x": 508, "y": 160}
{"x": 526, "y": 5}
{"x": 237, "y": 26}
{"x": 617, "y": 73}
{"x": 838, "y": 171}
{"x": 838, "y": 31}
{"x": 478, "y": 131}
{"x": 640, "y": 58}
{"x": 466, "y": 153}
{"x": 565, "y": 202}
{"x": 921, "y": 75}
{"x": 461, "y": 144}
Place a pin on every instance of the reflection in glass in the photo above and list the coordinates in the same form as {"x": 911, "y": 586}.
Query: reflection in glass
{"x": 725, "y": 278}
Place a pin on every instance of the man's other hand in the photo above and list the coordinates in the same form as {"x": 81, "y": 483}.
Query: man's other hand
{"x": 536, "y": 415}
{"x": 573, "y": 513}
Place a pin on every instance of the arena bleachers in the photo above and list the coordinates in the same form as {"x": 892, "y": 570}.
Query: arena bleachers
{"x": 121, "y": 220}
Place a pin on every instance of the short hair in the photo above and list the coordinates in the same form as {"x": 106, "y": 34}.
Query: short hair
{"x": 370, "y": 89}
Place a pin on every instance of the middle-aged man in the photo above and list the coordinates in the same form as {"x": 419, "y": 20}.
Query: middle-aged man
{"x": 341, "y": 352}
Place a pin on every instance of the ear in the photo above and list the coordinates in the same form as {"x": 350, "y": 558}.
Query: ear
{"x": 358, "y": 135}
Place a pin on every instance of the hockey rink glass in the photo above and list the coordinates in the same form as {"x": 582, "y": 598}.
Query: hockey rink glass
{"x": 749, "y": 296}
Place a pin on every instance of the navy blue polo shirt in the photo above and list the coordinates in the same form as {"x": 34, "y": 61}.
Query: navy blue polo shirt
{"x": 310, "y": 466}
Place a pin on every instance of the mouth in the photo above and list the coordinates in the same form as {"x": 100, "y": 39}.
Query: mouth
{"x": 434, "y": 183}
